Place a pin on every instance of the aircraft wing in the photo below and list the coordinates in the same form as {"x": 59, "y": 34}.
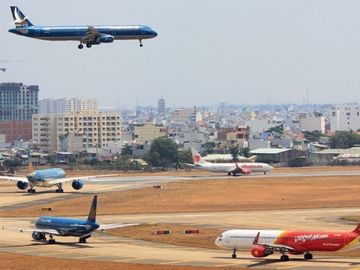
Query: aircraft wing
{"x": 275, "y": 247}
{"x": 115, "y": 226}
{"x": 91, "y": 35}
{"x": 14, "y": 178}
{"x": 46, "y": 231}
{"x": 84, "y": 178}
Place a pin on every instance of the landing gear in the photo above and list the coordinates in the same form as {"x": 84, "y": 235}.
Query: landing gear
{"x": 88, "y": 45}
{"x": 59, "y": 190}
{"x": 234, "y": 173}
{"x": 234, "y": 254}
{"x": 141, "y": 45}
{"x": 308, "y": 256}
{"x": 31, "y": 190}
{"x": 229, "y": 173}
{"x": 284, "y": 258}
{"x": 83, "y": 239}
{"x": 80, "y": 46}
{"x": 51, "y": 240}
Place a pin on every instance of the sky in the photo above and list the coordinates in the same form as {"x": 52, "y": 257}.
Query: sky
{"x": 206, "y": 52}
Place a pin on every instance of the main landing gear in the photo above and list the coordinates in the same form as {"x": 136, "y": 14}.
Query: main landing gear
{"x": 31, "y": 190}
{"x": 59, "y": 190}
{"x": 233, "y": 255}
{"x": 88, "y": 45}
{"x": 284, "y": 258}
{"x": 51, "y": 240}
{"x": 308, "y": 256}
{"x": 83, "y": 239}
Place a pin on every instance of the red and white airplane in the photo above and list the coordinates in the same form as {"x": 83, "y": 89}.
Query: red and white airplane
{"x": 263, "y": 243}
{"x": 230, "y": 168}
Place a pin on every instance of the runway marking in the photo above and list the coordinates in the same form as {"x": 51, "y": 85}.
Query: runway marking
{"x": 288, "y": 266}
{"x": 228, "y": 264}
{"x": 128, "y": 260}
{"x": 175, "y": 262}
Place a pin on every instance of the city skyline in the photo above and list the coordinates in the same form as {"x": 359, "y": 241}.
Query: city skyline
{"x": 241, "y": 52}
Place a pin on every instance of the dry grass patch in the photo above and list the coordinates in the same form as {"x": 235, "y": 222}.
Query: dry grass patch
{"x": 215, "y": 195}
{"x": 10, "y": 261}
{"x": 204, "y": 239}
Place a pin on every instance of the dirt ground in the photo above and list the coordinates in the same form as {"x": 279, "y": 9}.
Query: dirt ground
{"x": 204, "y": 239}
{"x": 77, "y": 172}
{"x": 226, "y": 195}
{"x": 11, "y": 261}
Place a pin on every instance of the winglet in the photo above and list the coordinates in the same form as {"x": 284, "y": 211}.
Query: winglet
{"x": 92, "y": 213}
{"x": 256, "y": 239}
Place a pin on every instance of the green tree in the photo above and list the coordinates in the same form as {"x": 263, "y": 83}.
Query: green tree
{"x": 278, "y": 129}
{"x": 163, "y": 153}
{"x": 185, "y": 156}
{"x": 344, "y": 139}
{"x": 313, "y": 136}
{"x": 245, "y": 152}
{"x": 127, "y": 150}
{"x": 209, "y": 148}
{"x": 12, "y": 163}
{"x": 234, "y": 151}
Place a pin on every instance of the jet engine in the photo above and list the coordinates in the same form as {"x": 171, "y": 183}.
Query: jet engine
{"x": 38, "y": 236}
{"x": 22, "y": 185}
{"x": 77, "y": 184}
{"x": 104, "y": 38}
{"x": 245, "y": 171}
{"x": 260, "y": 251}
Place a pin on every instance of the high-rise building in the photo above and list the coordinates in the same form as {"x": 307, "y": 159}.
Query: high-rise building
{"x": 18, "y": 102}
{"x": 98, "y": 129}
{"x": 345, "y": 117}
{"x": 312, "y": 121}
{"x": 63, "y": 105}
{"x": 161, "y": 106}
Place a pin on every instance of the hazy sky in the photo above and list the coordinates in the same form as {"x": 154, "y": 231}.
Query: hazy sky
{"x": 207, "y": 51}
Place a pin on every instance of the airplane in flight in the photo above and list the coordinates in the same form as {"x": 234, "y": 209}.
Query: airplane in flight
{"x": 49, "y": 178}
{"x": 88, "y": 35}
{"x": 233, "y": 168}
{"x": 263, "y": 243}
{"x": 63, "y": 226}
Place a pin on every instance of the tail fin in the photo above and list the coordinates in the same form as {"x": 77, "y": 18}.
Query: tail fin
{"x": 92, "y": 213}
{"x": 20, "y": 20}
{"x": 197, "y": 159}
{"x": 357, "y": 229}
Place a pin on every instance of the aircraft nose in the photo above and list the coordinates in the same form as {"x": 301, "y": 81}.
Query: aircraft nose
{"x": 153, "y": 33}
{"x": 218, "y": 241}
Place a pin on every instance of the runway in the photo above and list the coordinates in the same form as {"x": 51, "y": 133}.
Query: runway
{"x": 101, "y": 247}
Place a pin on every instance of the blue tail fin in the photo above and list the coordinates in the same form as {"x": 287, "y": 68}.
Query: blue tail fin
{"x": 20, "y": 20}
{"x": 92, "y": 213}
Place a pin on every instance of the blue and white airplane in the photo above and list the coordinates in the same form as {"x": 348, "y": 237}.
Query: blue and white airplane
{"x": 88, "y": 35}
{"x": 49, "y": 178}
{"x": 62, "y": 226}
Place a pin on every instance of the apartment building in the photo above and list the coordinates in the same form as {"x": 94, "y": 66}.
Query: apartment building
{"x": 345, "y": 117}
{"x": 98, "y": 129}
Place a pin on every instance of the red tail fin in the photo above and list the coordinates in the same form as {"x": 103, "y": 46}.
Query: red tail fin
{"x": 357, "y": 229}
